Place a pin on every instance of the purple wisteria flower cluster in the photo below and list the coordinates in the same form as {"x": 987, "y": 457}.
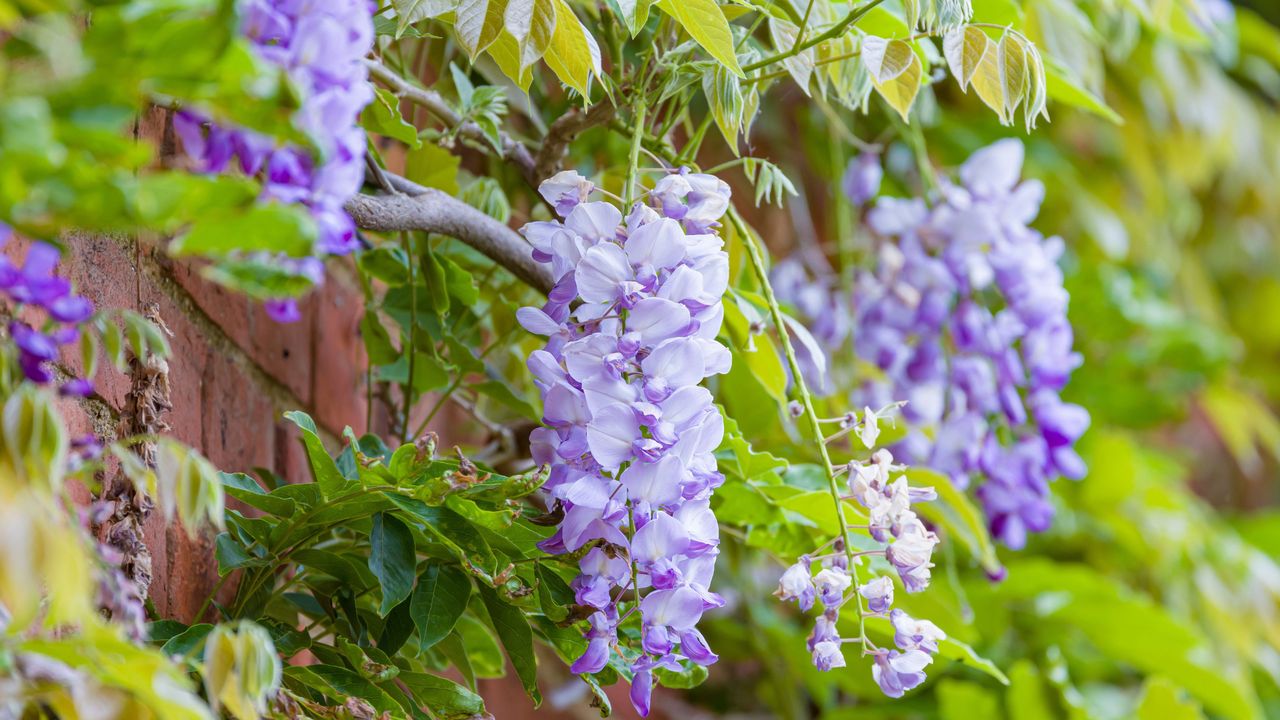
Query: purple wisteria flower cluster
{"x": 630, "y": 434}
{"x": 966, "y": 314}
{"x": 320, "y": 45}
{"x": 34, "y": 285}
{"x": 906, "y": 545}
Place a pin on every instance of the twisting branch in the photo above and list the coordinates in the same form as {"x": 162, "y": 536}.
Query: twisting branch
{"x": 563, "y": 132}
{"x": 429, "y": 210}
{"x": 512, "y": 150}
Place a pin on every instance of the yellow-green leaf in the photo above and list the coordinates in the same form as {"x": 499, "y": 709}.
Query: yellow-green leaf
{"x": 724, "y": 96}
{"x": 885, "y": 59}
{"x": 986, "y": 82}
{"x": 964, "y": 50}
{"x": 573, "y": 54}
{"x": 895, "y": 72}
{"x": 1012, "y": 53}
{"x": 433, "y": 166}
{"x": 705, "y": 23}
{"x": 800, "y": 65}
{"x": 635, "y": 13}
{"x": 479, "y": 24}
{"x": 531, "y": 23}
{"x": 1059, "y": 87}
{"x": 506, "y": 53}
{"x": 409, "y": 12}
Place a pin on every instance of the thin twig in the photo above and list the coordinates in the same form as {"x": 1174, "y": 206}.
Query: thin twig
{"x": 512, "y": 150}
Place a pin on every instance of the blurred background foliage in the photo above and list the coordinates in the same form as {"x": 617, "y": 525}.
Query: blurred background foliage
{"x": 1156, "y": 594}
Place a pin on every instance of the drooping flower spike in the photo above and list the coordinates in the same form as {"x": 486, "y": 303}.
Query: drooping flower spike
{"x": 906, "y": 544}
{"x": 320, "y": 45}
{"x": 629, "y": 431}
{"x": 35, "y": 285}
{"x": 965, "y": 316}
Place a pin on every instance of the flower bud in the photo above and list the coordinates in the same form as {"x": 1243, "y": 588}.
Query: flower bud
{"x": 242, "y": 671}
{"x": 35, "y": 443}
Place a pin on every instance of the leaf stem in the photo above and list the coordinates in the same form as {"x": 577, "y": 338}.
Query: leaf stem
{"x": 633, "y": 161}
{"x": 413, "y": 331}
{"x": 801, "y": 390}
{"x": 833, "y": 32}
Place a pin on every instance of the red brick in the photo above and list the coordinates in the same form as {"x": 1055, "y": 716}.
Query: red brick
{"x": 290, "y": 459}
{"x": 282, "y": 350}
{"x": 237, "y": 420}
{"x": 339, "y": 396}
{"x": 104, "y": 270}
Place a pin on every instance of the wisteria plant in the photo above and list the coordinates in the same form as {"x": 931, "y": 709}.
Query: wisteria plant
{"x": 610, "y": 445}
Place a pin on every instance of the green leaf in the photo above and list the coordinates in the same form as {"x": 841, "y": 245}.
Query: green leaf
{"x": 377, "y": 341}
{"x": 383, "y": 117}
{"x": 554, "y": 594}
{"x": 339, "y": 683}
{"x": 532, "y": 24}
{"x": 189, "y": 642}
{"x": 573, "y": 54}
{"x": 705, "y": 23}
{"x": 323, "y": 469}
{"x": 453, "y": 649}
{"x": 1026, "y": 698}
{"x": 397, "y": 629}
{"x": 1015, "y": 75}
{"x": 268, "y": 227}
{"x": 635, "y": 13}
{"x": 1061, "y": 89}
{"x": 393, "y": 559}
{"x": 960, "y": 700}
{"x": 409, "y": 12}
{"x": 486, "y": 195}
{"x": 248, "y": 491}
{"x": 445, "y": 698}
{"x": 955, "y": 511}
{"x": 895, "y": 71}
{"x": 801, "y": 65}
{"x": 478, "y": 24}
{"x": 432, "y": 166}
{"x": 355, "y": 576}
{"x": 964, "y": 49}
{"x": 963, "y": 653}
{"x": 231, "y": 555}
{"x": 1163, "y": 700}
{"x": 765, "y": 364}
{"x": 506, "y": 53}
{"x": 691, "y": 676}
{"x": 439, "y": 600}
{"x": 516, "y": 637}
{"x": 724, "y": 98}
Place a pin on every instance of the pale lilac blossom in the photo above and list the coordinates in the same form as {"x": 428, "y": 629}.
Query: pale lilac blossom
{"x": 628, "y": 432}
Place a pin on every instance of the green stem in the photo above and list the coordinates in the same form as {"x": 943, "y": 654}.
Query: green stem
{"x": 760, "y": 16}
{"x": 637, "y": 135}
{"x": 804, "y": 25}
{"x": 801, "y": 391}
{"x": 726, "y": 165}
{"x": 413, "y": 332}
{"x": 833, "y": 32}
{"x": 691, "y": 148}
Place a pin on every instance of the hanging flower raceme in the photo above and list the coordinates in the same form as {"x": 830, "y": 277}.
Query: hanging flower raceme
{"x": 964, "y": 313}
{"x": 906, "y": 546}
{"x": 34, "y": 287}
{"x": 321, "y": 46}
{"x": 630, "y": 433}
